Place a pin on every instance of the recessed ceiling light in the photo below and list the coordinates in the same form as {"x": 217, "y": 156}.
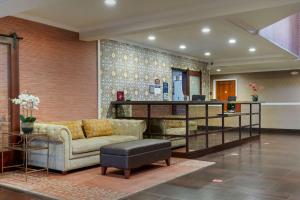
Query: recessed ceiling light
{"x": 207, "y": 54}
{"x": 232, "y": 41}
{"x": 294, "y": 73}
{"x": 205, "y": 30}
{"x": 252, "y": 49}
{"x": 218, "y": 70}
{"x": 151, "y": 37}
{"x": 110, "y": 3}
{"x": 182, "y": 46}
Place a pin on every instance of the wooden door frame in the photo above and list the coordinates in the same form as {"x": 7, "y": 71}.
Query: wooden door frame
{"x": 218, "y": 80}
{"x": 13, "y": 90}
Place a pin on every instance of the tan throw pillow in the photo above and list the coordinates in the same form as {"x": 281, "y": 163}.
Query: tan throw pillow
{"x": 175, "y": 123}
{"x": 97, "y": 127}
{"x": 75, "y": 128}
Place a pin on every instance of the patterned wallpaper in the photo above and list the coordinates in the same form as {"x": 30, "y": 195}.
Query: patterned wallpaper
{"x": 132, "y": 69}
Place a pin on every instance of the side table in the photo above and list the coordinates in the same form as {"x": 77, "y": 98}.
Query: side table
{"x": 24, "y": 144}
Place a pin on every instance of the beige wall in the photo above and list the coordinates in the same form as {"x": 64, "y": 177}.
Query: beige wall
{"x": 280, "y": 95}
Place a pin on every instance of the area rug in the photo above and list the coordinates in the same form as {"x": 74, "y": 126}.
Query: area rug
{"x": 90, "y": 184}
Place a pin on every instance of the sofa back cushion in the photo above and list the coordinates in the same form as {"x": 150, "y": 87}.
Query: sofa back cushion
{"x": 97, "y": 127}
{"x": 178, "y": 123}
{"x": 75, "y": 128}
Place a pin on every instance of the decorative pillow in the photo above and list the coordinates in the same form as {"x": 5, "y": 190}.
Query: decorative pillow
{"x": 175, "y": 123}
{"x": 178, "y": 123}
{"x": 75, "y": 128}
{"x": 97, "y": 127}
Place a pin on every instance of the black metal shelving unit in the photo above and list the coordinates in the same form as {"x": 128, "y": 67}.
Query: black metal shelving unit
{"x": 253, "y": 130}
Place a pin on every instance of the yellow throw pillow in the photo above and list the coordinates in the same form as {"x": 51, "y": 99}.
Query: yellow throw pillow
{"x": 179, "y": 123}
{"x": 75, "y": 128}
{"x": 97, "y": 127}
{"x": 175, "y": 123}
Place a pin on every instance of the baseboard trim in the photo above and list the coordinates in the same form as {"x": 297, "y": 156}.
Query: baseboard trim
{"x": 270, "y": 131}
{"x": 263, "y": 130}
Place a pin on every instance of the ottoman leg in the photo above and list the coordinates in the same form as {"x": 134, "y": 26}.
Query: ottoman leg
{"x": 168, "y": 161}
{"x": 127, "y": 173}
{"x": 103, "y": 170}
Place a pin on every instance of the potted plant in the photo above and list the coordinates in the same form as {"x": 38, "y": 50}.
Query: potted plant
{"x": 28, "y": 103}
{"x": 255, "y": 90}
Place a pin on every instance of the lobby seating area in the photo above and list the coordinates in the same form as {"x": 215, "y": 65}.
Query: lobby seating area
{"x": 68, "y": 152}
{"x": 149, "y": 99}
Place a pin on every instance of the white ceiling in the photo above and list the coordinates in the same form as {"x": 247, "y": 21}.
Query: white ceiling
{"x": 94, "y": 20}
{"x": 173, "y": 22}
{"x": 278, "y": 65}
{"x": 216, "y": 42}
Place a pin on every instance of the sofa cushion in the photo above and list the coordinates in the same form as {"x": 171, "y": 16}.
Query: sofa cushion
{"x": 94, "y": 144}
{"x": 97, "y": 127}
{"x": 75, "y": 127}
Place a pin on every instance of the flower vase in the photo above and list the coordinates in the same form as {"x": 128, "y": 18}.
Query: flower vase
{"x": 254, "y": 98}
{"x": 27, "y": 127}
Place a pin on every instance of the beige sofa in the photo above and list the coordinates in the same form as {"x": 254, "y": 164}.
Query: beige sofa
{"x": 67, "y": 154}
{"x": 174, "y": 127}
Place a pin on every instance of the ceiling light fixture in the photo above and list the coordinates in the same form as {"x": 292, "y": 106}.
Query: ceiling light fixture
{"x": 151, "y": 37}
{"x": 218, "y": 70}
{"x": 232, "y": 41}
{"x": 252, "y": 49}
{"x": 110, "y": 3}
{"x": 207, "y": 54}
{"x": 205, "y": 30}
{"x": 294, "y": 73}
{"x": 182, "y": 46}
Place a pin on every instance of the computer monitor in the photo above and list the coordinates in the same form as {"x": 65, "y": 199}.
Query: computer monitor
{"x": 231, "y": 98}
{"x": 198, "y": 98}
{"x": 230, "y": 106}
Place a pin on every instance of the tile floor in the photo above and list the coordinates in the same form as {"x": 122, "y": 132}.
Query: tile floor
{"x": 265, "y": 170}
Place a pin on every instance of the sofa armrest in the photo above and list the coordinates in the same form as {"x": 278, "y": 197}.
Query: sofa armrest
{"x": 56, "y": 133}
{"x": 128, "y": 127}
{"x": 59, "y": 147}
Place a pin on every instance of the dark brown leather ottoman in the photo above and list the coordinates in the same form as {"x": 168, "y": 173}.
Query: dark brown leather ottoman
{"x": 134, "y": 154}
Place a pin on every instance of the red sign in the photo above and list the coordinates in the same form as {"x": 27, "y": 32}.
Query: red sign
{"x": 120, "y": 96}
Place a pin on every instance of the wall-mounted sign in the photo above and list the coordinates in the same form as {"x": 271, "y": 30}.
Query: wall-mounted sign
{"x": 165, "y": 91}
{"x": 120, "y": 96}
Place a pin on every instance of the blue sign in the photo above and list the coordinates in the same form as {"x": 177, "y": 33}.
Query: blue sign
{"x": 165, "y": 91}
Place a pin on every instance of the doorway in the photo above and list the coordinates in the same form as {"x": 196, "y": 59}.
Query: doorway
{"x": 225, "y": 88}
{"x": 9, "y": 88}
{"x": 186, "y": 83}
{"x": 194, "y": 83}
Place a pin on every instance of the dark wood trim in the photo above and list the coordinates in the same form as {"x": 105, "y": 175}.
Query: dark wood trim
{"x": 194, "y": 73}
{"x": 15, "y": 86}
{"x": 12, "y": 35}
{"x": 181, "y": 102}
{"x": 188, "y": 82}
{"x": 199, "y": 153}
{"x": 280, "y": 131}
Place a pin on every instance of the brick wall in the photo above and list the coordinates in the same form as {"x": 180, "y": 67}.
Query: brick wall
{"x": 56, "y": 66}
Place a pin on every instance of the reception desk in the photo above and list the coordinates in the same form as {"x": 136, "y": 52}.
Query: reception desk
{"x": 195, "y": 128}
